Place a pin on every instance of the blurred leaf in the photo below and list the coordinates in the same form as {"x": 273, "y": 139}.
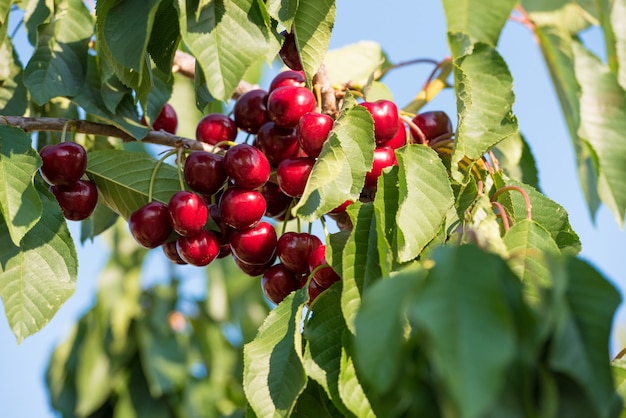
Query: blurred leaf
{"x": 355, "y": 63}
{"x": 5, "y": 8}
{"x": 312, "y": 25}
{"x": 314, "y": 403}
{"x": 350, "y": 388}
{"x": 183, "y": 100}
{"x": 20, "y": 203}
{"x": 481, "y": 20}
{"x": 134, "y": 398}
{"x": 160, "y": 92}
{"x": 283, "y": 11}
{"x": 13, "y": 93}
{"x": 517, "y": 161}
{"x": 618, "y": 367}
{"x": 100, "y": 220}
{"x": 274, "y": 375}
{"x": 618, "y": 22}
{"x": 564, "y": 15}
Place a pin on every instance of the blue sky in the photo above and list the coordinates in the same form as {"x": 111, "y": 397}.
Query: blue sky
{"x": 406, "y": 30}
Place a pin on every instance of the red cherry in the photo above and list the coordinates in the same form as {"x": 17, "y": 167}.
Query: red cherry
{"x": 247, "y": 166}
{"x": 313, "y": 131}
{"x": 204, "y": 172}
{"x": 383, "y": 157}
{"x": 242, "y": 208}
{"x": 224, "y": 230}
{"x": 188, "y": 213}
{"x": 150, "y": 224}
{"x": 399, "y": 139}
{"x": 294, "y": 250}
{"x": 286, "y": 105}
{"x": 293, "y": 173}
{"x": 289, "y": 51}
{"x": 278, "y": 282}
{"x": 215, "y": 127}
{"x": 277, "y": 143}
{"x": 167, "y": 120}
{"x": 287, "y": 78}
{"x": 256, "y": 245}
{"x": 170, "y": 251}
{"x": 63, "y": 164}
{"x": 325, "y": 276}
{"x": 252, "y": 270}
{"x": 314, "y": 291}
{"x": 277, "y": 202}
{"x": 342, "y": 208}
{"x": 78, "y": 200}
{"x": 250, "y": 110}
{"x": 432, "y": 124}
{"x": 385, "y": 115}
{"x": 199, "y": 249}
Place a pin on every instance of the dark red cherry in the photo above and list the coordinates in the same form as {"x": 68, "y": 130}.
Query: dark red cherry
{"x": 277, "y": 202}
{"x": 325, "y": 276}
{"x": 289, "y": 51}
{"x": 252, "y": 270}
{"x": 223, "y": 230}
{"x": 77, "y": 200}
{"x": 250, "y": 110}
{"x": 247, "y": 166}
{"x": 242, "y": 208}
{"x": 286, "y": 105}
{"x": 278, "y": 282}
{"x": 171, "y": 252}
{"x": 313, "y": 131}
{"x": 432, "y": 124}
{"x": 204, "y": 172}
{"x": 188, "y": 213}
{"x": 150, "y": 224}
{"x": 277, "y": 143}
{"x": 341, "y": 208}
{"x": 199, "y": 249}
{"x": 314, "y": 291}
{"x": 256, "y": 245}
{"x": 215, "y": 127}
{"x": 385, "y": 115}
{"x": 63, "y": 163}
{"x": 166, "y": 120}
{"x": 383, "y": 157}
{"x": 287, "y": 78}
{"x": 293, "y": 173}
{"x": 399, "y": 139}
{"x": 294, "y": 250}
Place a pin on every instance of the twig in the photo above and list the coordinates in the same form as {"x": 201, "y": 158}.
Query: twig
{"x": 322, "y": 83}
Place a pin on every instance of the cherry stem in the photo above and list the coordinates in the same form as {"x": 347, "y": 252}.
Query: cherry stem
{"x": 323, "y": 221}
{"x": 432, "y": 86}
{"x": 421, "y": 137}
{"x": 179, "y": 164}
{"x": 407, "y": 63}
{"x": 441, "y": 140}
{"x": 287, "y": 215}
{"x": 217, "y": 147}
{"x": 620, "y": 354}
{"x": 494, "y": 161}
{"x": 154, "y": 171}
{"x": 64, "y": 131}
{"x": 519, "y": 190}
{"x": 502, "y": 214}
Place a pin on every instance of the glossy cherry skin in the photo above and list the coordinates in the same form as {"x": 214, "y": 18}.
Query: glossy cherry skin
{"x": 278, "y": 282}
{"x": 171, "y": 252}
{"x": 166, "y": 120}
{"x": 188, "y": 213}
{"x": 325, "y": 276}
{"x": 199, "y": 249}
{"x": 341, "y": 208}
{"x": 432, "y": 124}
{"x": 385, "y": 115}
{"x": 216, "y": 216}
{"x": 242, "y": 208}
{"x": 383, "y": 157}
{"x": 277, "y": 143}
{"x": 77, "y": 200}
{"x": 150, "y": 224}
{"x": 204, "y": 172}
{"x": 247, "y": 166}
{"x": 256, "y": 245}
{"x": 314, "y": 291}
{"x": 293, "y": 173}
{"x": 250, "y": 110}
{"x": 286, "y": 105}
{"x": 277, "y": 201}
{"x": 398, "y": 140}
{"x": 294, "y": 250}
{"x": 313, "y": 131}
{"x": 289, "y": 51}
{"x": 215, "y": 127}
{"x": 63, "y": 163}
{"x": 287, "y": 78}
{"x": 252, "y": 270}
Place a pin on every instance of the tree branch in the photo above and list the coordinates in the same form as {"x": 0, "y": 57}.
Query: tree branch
{"x": 327, "y": 92}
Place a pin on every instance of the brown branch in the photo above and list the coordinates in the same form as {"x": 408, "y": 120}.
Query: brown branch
{"x": 321, "y": 82}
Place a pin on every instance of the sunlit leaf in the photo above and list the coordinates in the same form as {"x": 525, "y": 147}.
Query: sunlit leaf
{"x": 312, "y": 25}
{"x": 350, "y": 388}
{"x": 355, "y": 63}
{"x": 618, "y": 22}
{"x": 517, "y": 161}
{"x": 481, "y": 20}
{"x": 13, "y": 96}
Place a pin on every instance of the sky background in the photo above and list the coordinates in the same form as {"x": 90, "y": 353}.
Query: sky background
{"x": 406, "y": 30}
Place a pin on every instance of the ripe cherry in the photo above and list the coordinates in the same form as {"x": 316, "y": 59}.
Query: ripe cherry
{"x": 256, "y": 245}
{"x": 170, "y": 251}
{"x": 247, "y": 166}
{"x": 204, "y": 172}
{"x": 150, "y": 224}
{"x": 278, "y": 282}
{"x": 215, "y": 127}
{"x": 313, "y": 131}
{"x": 325, "y": 276}
{"x": 277, "y": 201}
{"x": 250, "y": 110}
{"x": 188, "y": 213}
{"x": 432, "y": 124}
{"x": 77, "y": 200}
{"x": 385, "y": 115}
{"x": 289, "y": 51}
{"x": 166, "y": 120}
{"x": 288, "y": 78}
{"x": 242, "y": 208}
{"x": 63, "y": 163}
{"x": 277, "y": 143}
{"x": 286, "y": 105}
{"x": 314, "y": 291}
{"x": 399, "y": 139}
{"x": 252, "y": 270}
{"x": 199, "y": 249}
{"x": 342, "y": 208}
{"x": 293, "y": 173}
{"x": 294, "y": 250}
{"x": 383, "y": 157}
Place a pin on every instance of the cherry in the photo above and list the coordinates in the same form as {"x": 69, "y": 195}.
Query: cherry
{"x": 286, "y": 105}
{"x": 294, "y": 250}
{"x": 432, "y": 124}
{"x": 223, "y": 230}
{"x": 256, "y": 245}
{"x": 170, "y": 251}
{"x": 166, "y": 120}
{"x": 242, "y": 208}
{"x": 247, "y": 166}
{"x": 385, "y": 115}
{"x": 77, "y": 200}
{"x": 313, "y": 131}
{"x": 215, "y": 127}
{"x": 204, "y": 172}
{"x": 63, "y": 163}
{"x": 314, "y": 291}
{"x": 150, "y": 224}
{"x": 342, "y": 208}
{"x": 250, "y": 110}
{"x": 383, "y": 157}
{"x": 288, "y": 78}
{"x": 399, "y": 139}
{"x": 278, "y": 282}
{"x": 199, "y": 249}
{"x": 188, "y": 213}
{"x": 252, "y": 269}
{"x": 277, "y": 143}
{"x": 293, "y": 173}
{"x": 289, "y": 51}
{"x": 277, "y": 201}
{"x": 325, "y": 276}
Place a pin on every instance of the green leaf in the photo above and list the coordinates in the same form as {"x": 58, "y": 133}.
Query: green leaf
{"x": 468, "y": 325}
{"x": 226, "y": 38}
{"x": 517, "y": 161}
{"x": 603, "y": 122}
{"x": 274, "y": 376}
{"x": 13, "y": 93}
{"x": 100, "y": 220}
{"x": 481, "y": 20}
{"x": 355, "y": 63}
{"x": 339, "y": 172}
{"x": 313, "y": 403}
{"x": 425, "y": 196}
{"x": 164, "y": 42}
{"x": 312, "y": 25}
{"x": 350, "y": 388}
{"x": 618, "y": 22}
{"x": 283, "y": 11}
{"x": 37, "y": 277}
{"x": 57, "y": 66}
{"x": 123, "y": 179}
{"x": 385, "y": 209}
{"x": 20, "y": 204}
{"x": 619, "y": 377}
{"x": 5, "y": 8}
